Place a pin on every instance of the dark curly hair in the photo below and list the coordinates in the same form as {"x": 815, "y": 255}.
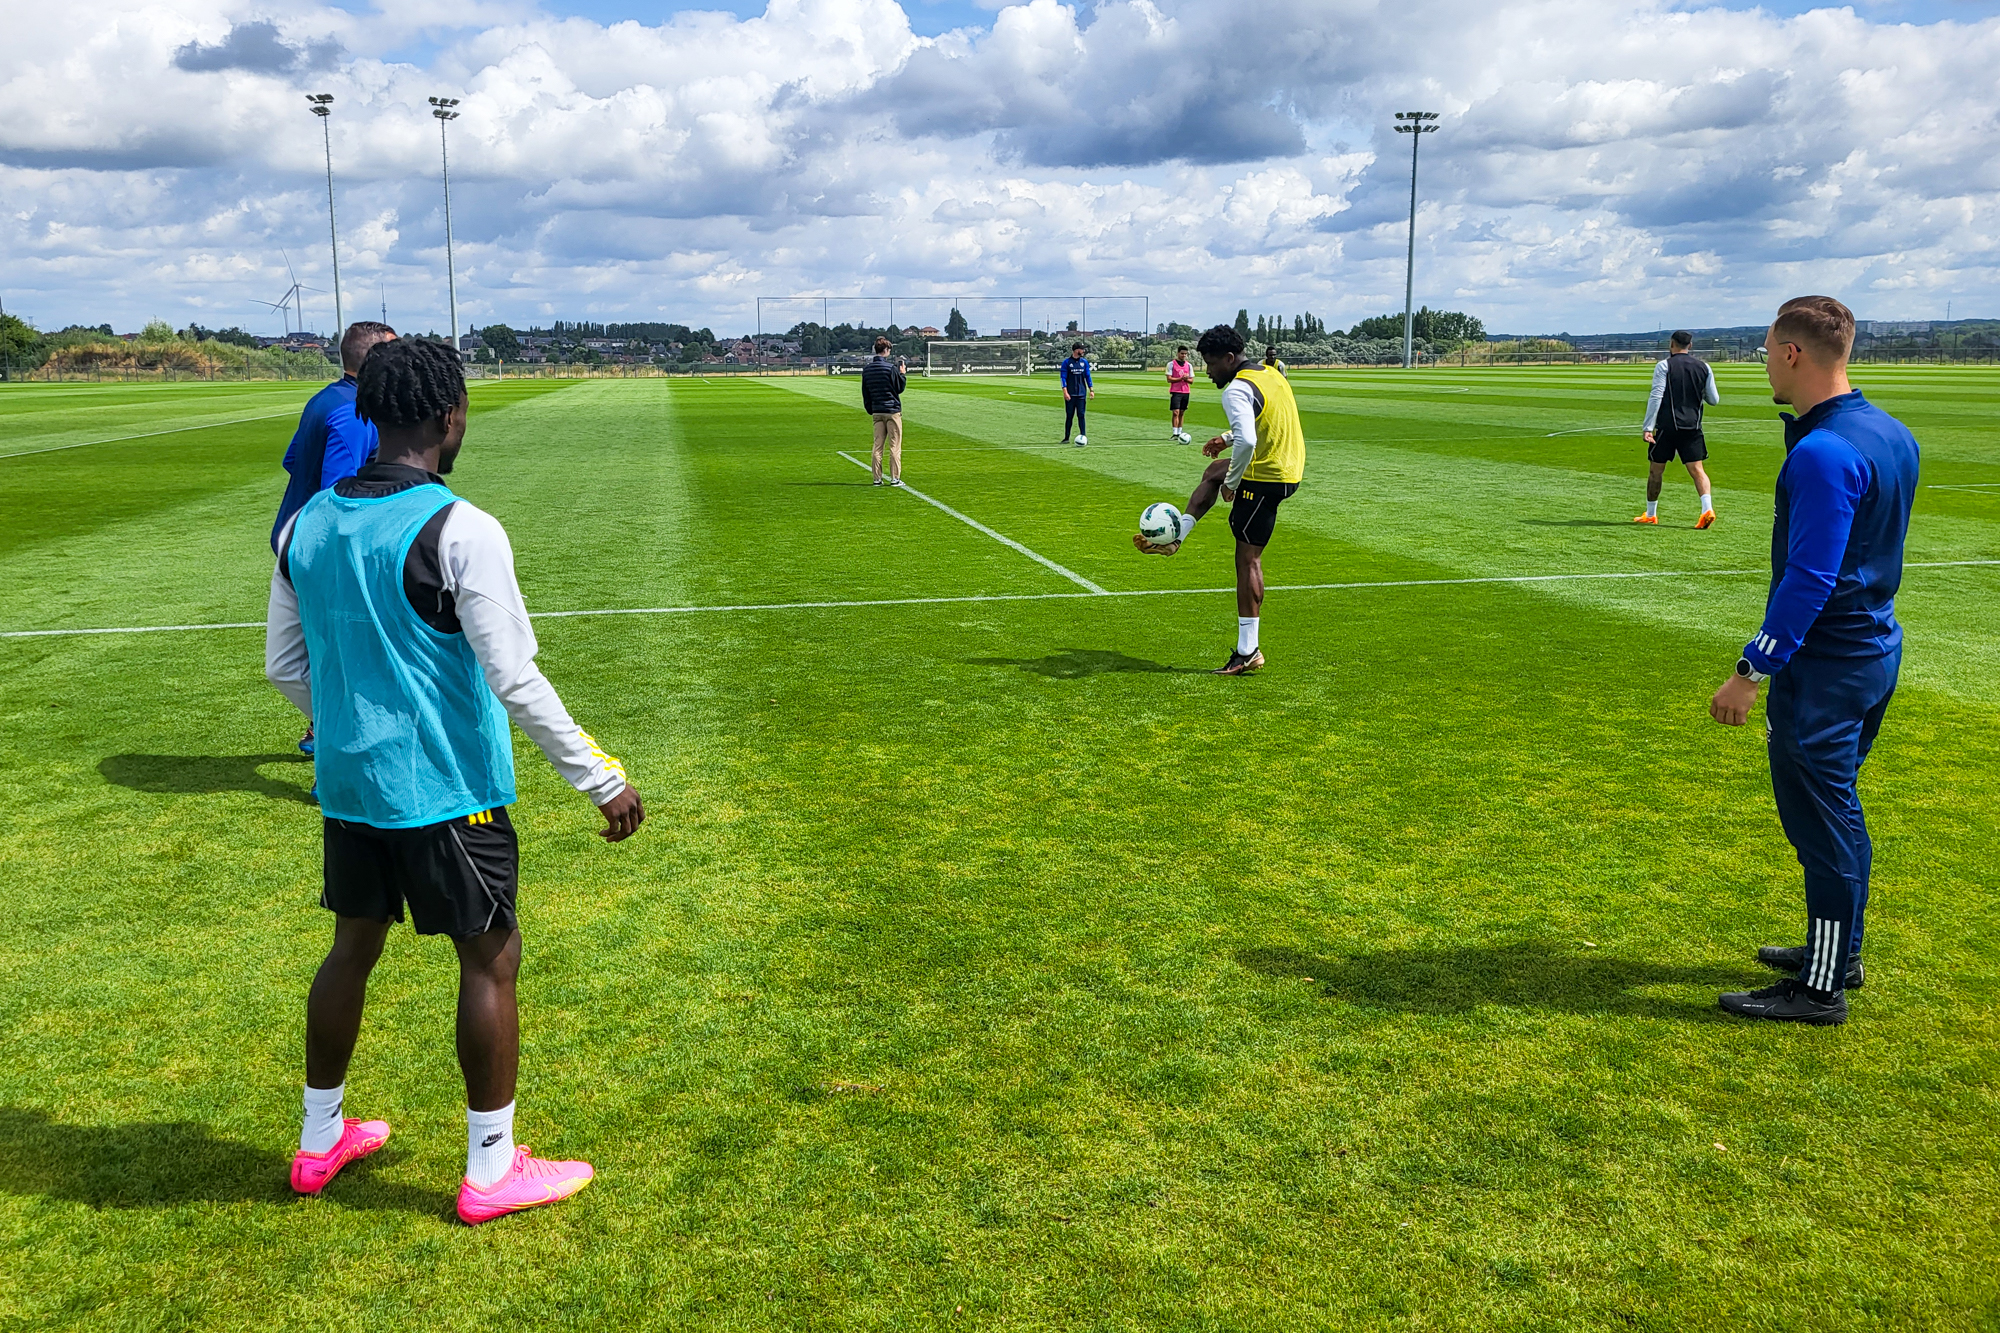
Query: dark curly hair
{"x": 408, "y": 382}
{"x": 1222, "y": 340}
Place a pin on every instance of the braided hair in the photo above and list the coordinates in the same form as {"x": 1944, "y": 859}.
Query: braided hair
{"x": 407, "y": 382}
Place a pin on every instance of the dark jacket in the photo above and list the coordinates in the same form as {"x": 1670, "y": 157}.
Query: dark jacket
{"x": 882, "y": 386}
{"x": 1844, "y": 498}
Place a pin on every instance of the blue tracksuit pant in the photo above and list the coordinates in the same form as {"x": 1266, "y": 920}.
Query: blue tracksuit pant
{"x": 1822, "y": 714}
{"x": 1073, "y": 412}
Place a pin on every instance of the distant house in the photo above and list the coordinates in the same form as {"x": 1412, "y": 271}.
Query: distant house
{"x": 928, "y": 332}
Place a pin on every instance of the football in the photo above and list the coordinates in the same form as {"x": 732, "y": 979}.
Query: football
{"x": 1160, "y": 523}
{"x": 1082, "y": 440}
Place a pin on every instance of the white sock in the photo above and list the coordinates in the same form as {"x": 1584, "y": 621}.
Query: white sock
{"x": 1652, "y": 509}
{"x": 1246, "y": 634}
{"x": 489, "y": 1144}
{"x": 1187, "y": 525}
{"x": 1707, "y": 503}
{"x": 322, "y": 1123}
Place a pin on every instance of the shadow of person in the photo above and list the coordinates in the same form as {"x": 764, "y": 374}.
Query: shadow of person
{"x": 1576, "y": 522}
{"x": 200, "y": 774}
{"x": 1072, "y": 663}
{"x": 1533, "y": 974}
{"x": 160, "y": 1165}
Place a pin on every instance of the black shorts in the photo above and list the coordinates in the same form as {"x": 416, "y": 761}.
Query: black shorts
{"x": 1691, "y": 445}
{"x": 458, "y": 877}
{"x": 1178, "y": 402}
{"x": 1255, "y": 512}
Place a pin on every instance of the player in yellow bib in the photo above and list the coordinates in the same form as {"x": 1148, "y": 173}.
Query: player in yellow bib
{"x": 1266, "y": 463}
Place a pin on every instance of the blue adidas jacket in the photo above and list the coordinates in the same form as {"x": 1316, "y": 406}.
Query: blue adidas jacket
{"x": 1076, "y": 374}
{"x": 330, "y": 445}
{"x": 1844, "y": 497}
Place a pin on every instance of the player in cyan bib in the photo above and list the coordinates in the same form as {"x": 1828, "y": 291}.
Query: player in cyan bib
{"x": 396, "y": 625}
{"x": 1266, "y": 463}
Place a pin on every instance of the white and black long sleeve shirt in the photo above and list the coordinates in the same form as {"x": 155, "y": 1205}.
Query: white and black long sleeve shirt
{"x": 459, "y": 578}
{"x": 1685, "y": 409}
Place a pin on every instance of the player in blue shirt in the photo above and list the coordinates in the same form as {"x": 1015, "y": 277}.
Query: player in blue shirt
{"x": 1829, "y": 645}
{"x": 1077, "y": 388}
{"x": 331, "y": 442}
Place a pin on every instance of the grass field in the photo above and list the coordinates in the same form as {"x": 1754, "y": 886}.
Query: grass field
{"x": 985, "y": 962}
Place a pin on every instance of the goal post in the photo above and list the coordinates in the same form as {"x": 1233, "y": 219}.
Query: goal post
{"x": 984, "y": 356}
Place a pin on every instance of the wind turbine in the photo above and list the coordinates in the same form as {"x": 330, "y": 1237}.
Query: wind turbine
{"x": 291, "y": 301}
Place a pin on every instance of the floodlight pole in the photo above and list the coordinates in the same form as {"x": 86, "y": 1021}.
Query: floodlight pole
{"x": 1417, "y": 127}
{"x": 441, "y": 107}
{"x": 322, "y": 106}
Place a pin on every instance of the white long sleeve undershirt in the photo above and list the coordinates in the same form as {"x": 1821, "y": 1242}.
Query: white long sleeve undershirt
{"x": 1239, "y": 404}
{"x": 478, "y": 567}
{"x": 1709, "y": 392}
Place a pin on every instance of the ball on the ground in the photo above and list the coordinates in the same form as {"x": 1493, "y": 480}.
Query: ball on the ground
{"x": 1160, "y": 523}
{"x": 1083, "y": 439}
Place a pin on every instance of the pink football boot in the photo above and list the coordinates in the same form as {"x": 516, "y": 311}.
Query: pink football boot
{"x": 529, "y": 1183}
{"x": 312, "y": 1170}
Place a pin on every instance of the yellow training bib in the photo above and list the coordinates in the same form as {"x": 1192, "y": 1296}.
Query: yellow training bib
{"x": 1281, "y": 441}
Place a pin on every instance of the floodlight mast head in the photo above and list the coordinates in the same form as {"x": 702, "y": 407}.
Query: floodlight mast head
{"x": 1416, "y": 124}
{"x": 320, "y": 103}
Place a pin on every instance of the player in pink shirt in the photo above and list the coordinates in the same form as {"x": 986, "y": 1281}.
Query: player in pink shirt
{"x": 1180, "y": 384}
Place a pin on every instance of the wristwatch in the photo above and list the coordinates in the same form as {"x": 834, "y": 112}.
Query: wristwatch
{"x": 1750, "y": 673}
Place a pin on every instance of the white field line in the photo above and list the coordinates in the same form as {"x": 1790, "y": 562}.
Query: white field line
{"x": 1024, "y": 597}
{"x": 85, "y": 444}
{"x": 974, "y": 523}
{"x": 1981, "y": 487}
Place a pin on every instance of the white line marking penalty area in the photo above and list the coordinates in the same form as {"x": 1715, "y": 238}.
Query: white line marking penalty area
{"x": 1026, "y": 597}
{"x": 974, "y": 523}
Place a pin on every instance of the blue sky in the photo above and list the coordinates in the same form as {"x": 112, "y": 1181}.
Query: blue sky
{"x": 1618, "y": 164}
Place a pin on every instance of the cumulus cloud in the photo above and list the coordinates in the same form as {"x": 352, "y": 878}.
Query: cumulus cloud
{"x": 1622, "y": 164}
{"x": 255, "y": 46}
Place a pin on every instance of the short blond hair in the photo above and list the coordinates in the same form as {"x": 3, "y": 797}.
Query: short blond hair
{"x": 1820, "y": 324}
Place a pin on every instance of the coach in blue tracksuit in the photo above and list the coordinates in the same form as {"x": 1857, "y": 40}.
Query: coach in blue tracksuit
{"x": 1830, "y": 644}
{"x": 1077, "y": 389}
{"x": 331, "y": 442}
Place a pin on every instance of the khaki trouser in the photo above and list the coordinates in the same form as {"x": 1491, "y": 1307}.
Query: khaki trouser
{"x": 889, "y": 431}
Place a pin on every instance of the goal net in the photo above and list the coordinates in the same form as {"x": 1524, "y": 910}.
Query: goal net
{"x": 986, "y": 356}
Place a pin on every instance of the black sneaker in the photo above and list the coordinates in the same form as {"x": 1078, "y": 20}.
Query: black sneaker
{"x": 1793, "y": 958}
{"x": 1787, "y": 1002}
{"x": 1241, "y": 664}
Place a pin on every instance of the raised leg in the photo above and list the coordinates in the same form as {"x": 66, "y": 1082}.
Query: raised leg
{"x": 1208, "y": 489}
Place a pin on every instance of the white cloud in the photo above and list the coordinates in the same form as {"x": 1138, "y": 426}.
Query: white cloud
{"x": 1612, "y": 165}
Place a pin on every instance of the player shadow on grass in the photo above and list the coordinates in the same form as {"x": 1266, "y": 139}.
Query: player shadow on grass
{"x": 202, "y": 774}
{"x": 1073, "y": 663}
{"x": 1578, "y": 522}
{"x": 1531, "y": 974}
{"x": 161, "y": 1165}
